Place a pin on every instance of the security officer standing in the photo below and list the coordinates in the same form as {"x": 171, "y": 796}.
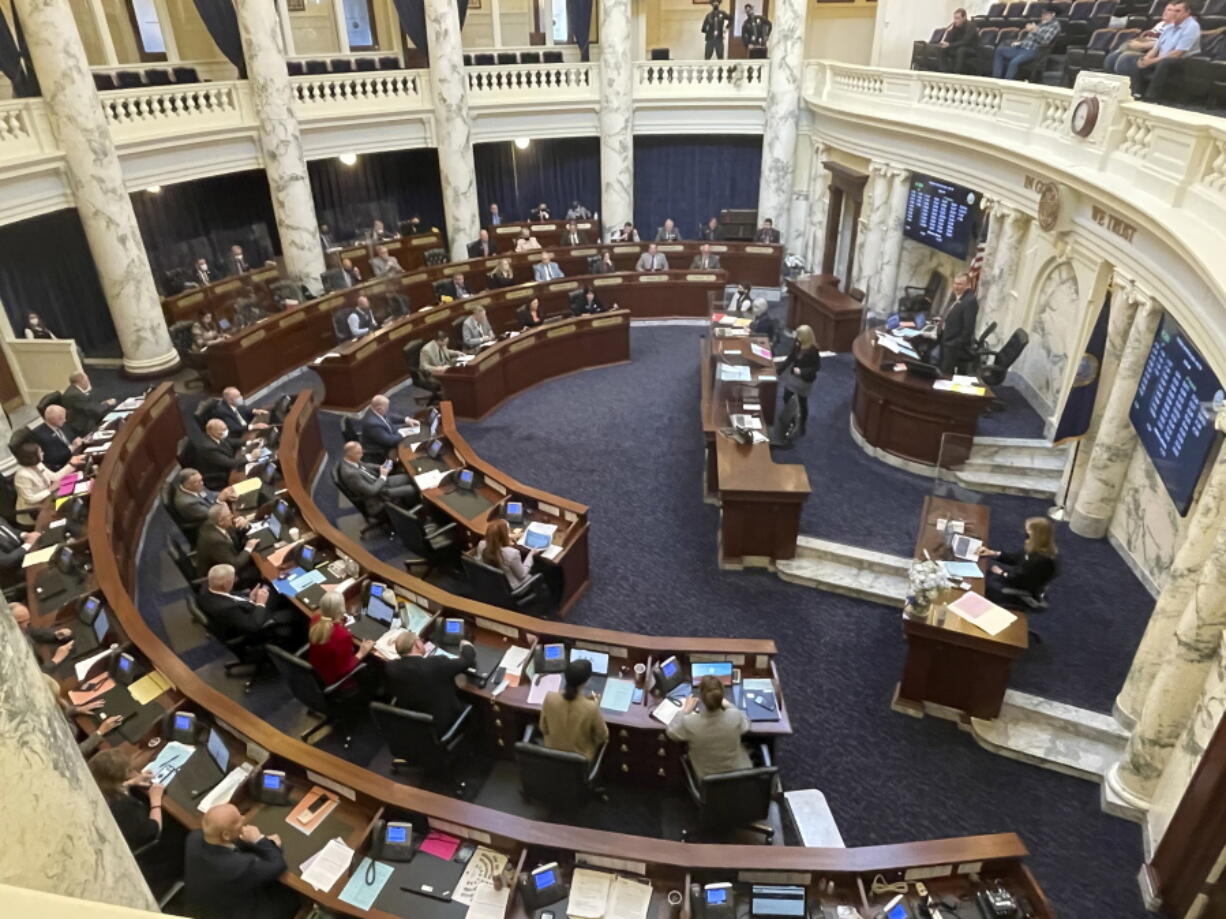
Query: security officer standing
{"x": 756, "y": 30}
{"x": 713, "y": 26}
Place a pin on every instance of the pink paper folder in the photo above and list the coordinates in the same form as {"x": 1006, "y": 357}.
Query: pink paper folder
{"x": 68, "y": 483}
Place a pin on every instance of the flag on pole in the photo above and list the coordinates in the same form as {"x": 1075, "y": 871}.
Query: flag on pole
{"x": 1079, "y": 407}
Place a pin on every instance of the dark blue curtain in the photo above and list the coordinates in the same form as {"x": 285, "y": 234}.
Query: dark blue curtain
{"x": 203, "y": 218}
{"x": 579, "y": 16}
{"x": 391, "y": 186}
{"x": 15, "y": 58}
{"x": 412, "y": 15}
{"x": 48, "y": 269}
{"x": 557, "y": 171}
{"x": 222, "y": 22}
{"x": 691, "y": 179}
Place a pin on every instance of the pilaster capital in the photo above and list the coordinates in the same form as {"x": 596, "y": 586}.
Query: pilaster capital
{"x": 878, "y": 170}
{"x": 1132, "y": 292}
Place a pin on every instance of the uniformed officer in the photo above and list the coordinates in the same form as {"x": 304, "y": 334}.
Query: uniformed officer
{"x": 713, "y": 26}
{"x": 756, "y": 29}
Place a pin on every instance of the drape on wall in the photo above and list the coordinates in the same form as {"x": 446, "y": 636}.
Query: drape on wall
{"x": 391, "y": 186}
{"x": 691, "y": 179}
{"x": 412, "y": 15}
{"x": 15, "y": 59}
{"x": 203, "y": 218}
{"x": 222, "y": 22}
{"x": 48, "y": 269}
{"x": 557, "y": 170}
{"x": 579, "y": 17}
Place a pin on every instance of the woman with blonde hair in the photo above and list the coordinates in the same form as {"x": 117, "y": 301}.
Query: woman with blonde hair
{"x": 799, "y": 370}
{"x": 503, "y": 275}
{"x": 331, "y": 644}
{"x": 1028, "y": 571}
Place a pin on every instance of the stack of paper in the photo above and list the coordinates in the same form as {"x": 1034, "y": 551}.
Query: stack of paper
{"x": 224, "y": 790}
{"x": 981, "y": 611}
{"x": 148, "y": 687}
{"x": 512, "y": 663}
{"x": 323, "y": 869}
{"x": 962, "y": 388}
{"x": 600, "y": 895}
{"x": 542, "y": 686}
{"x": 246, "y": 486}
{"x": 431, "y": 479}
{"x": 666, "y": 711}
{"x": 733, "y": 373}
{"x": 38, "y": 556}
{"x": 481, "y": 870}
{"x": 617, "y": 695}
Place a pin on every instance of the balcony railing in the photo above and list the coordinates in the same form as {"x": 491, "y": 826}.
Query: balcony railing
{"x": 533, "y": 82}
{"x": 360, "y": 93}
{"x": 173, "y": 110}
{"x": 709, "y": 79}
{"x": 24, "y": 131}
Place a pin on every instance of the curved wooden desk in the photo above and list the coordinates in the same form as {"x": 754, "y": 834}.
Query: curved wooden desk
{"x": 817, "y": 302}
{"x": 142, "y": 456}
{"x": 900, "y": 413}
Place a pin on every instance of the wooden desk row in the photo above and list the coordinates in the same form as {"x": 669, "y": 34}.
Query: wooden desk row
{"x": 834, "y": 317}
{"x": 143, "y": 453}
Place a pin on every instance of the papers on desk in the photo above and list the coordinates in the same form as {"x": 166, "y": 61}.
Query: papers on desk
{"x": 323, "y": 869}
{"x": 617, "y": 695}
{"x": 489, "y": 903}
{"x": 730, "y": 321}
{"x": 551, "y": 552}
{"x": 303, "y": 821}
{"x": 361, "y": 893}
{"x": 39, "y": 556}
{"x": 725, "y": 332}
{"x": 748, "y": 422}
{"x": 965, "y": 389}
{"x": 761, "y": 351}
{"x": 67, "y": 483}
{"x": 464, "y": 359}
{"x": 91, "y": 690}
{"x": 482, "y": 868}
{"x": 542, "y": 686}
{"x": 890, "y": 343}
{"x": 538, "y": 535}
{"x": 224, "y": 790}
{"x": 982, "y": 612}
{"x": 148, "y": 687}
{"x": 323, "y": 357}
{"x": 82, "y": 667}
{"x": 98, "y": 449}
{"x": 129, "y": 404}
{"x": 410, "y": 428}
{"x": 114, "y": 416}
{"x": 735, "y": 373}
{"x": 431, "y": 479}
{"x": 440, "y": 845}
{"x": 169, "y": 761}
{"x": 512, "y": 663}
{"x": 600, "y": 895}
{"x": 666, "y": 711}
{"x": 958, "y": 571}
{"x": 300, "y": 582}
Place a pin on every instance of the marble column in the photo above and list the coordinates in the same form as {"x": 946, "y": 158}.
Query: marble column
{"x": 289, "y": 184}
{"x": 1115, "y": 439}
{"x": 1008, "y": 230}
{"x": 883, "y": 296}
{"x": 1208, "y": 518}
{"x": 819, "y": 209}
{"x": 96, "y": 178}
{"x": 616, "y": 115}
{"x": 785, "y": 49}
{"x": 868, "y": 234}
{"x": 1178, "y": 683}
{"x": 452, "y": 125}
{"x": 59, "y": 835}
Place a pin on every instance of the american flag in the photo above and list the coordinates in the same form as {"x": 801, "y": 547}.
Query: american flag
{"x": 977, "y": 265}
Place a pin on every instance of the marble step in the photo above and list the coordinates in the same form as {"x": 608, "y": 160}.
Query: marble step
{"x": 847, "y": 570}
{"x": 1063, "y": 738}
{"x": 1011, "y": 483}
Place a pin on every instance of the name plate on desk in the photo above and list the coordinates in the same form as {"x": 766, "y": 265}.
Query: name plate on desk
{"x": 329, "y": 303}
{"x": 715, "y": 247}
{"x": 251, "y": 338}
{"x": 424, "y": 241}
{"x": 701, "y": 277}
{"x": 653, "y": 278}
{"x": 608, "y": 320}
{"x": 226, "y": 286}
{"x": 292, "y": 319}
{"x": 549, "y": 508}
{"x": 367, "y": 350}
{"x": 491, "y": 626}
{"x": 563, "y": 285}
{"x": 486, "y": 362}
{"x": 378, "y": 288}
{"x": 400, "y": 331}
{"x": 557, "y": 333}
{"x": 437, "y": 315}
{"x": 497, "y": 486}
{"x": 583, "y": 251}
{"x": 412, "y": 278}
{"x": 607, "y": 282}
{"x": 761, "y": 250}
{"x": 519, "y": 293}
{"x": 627, "y": 250}
{"x": 190, "y": 299}
{"x": 263, "y": 274}
{"x": 449, "y": 270}
{"x": 505, "y": 231}
{"x": 518, "y": 346}
{"x": 670, "y": 247}
{"x": 471, "y": 305}
{"x": 803, "y": 878}
{"x": 611, "y": 650}
{"x": 543, "y": 227}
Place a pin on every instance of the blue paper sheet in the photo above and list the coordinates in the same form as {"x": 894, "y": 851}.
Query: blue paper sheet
{"x": 360, "y": 894}
{"x": 962, "y": 569}
{"x": 283, "y": 585}
{"x": 617, "y": 695}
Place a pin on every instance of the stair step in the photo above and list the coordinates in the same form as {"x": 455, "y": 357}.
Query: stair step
{"x": 976, "y": 465}
{"x": 844, "y": 578}
{"x": 1082, "y": 721}
{"x": 810, "y": 547}
{"x": 1034, "y": 443}
{"x": 1030, "y": 486}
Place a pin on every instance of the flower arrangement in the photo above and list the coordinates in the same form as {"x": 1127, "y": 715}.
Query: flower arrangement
{"x": 926, "y": 580}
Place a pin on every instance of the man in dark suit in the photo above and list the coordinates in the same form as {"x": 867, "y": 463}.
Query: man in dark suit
{"x": 585, "y": 301}
{"x": 203, "y": 273}
{"x": 572, "y": 236}
{"x": 704, "y": 259}
{"x": 482, "y": 248}
{"x": 237, "y": 414}
{"x": 540, "y": 212}
{"x": 35, "y": 637}
{"x": 231, "y": 870}
{"x": 13, "y": 548}
{"x": 956, "y": 334}
{"x": 192, "y": 501}
{"x": 710, "y": 232}
{"x": 232, "y": 616}
{"x": 374, "y": 485}
{"x": 427, "y": 684}
{"x": 713, "y": 26}
{"x": 326, "y": 241}
{"x": 350, "y": 273}
{"x": 236, "y": 262}
{"x": 380, "y": 431}
{"x": 767, "y": 233}
{"x": 219, "y": 455}
{"x": 495, "y": 217}
{"x": 85, "y": 410}
{"x": 957, "y": 51}
{"x": 756, "y": 30}
{"x": 57, "y": 441}
{"x": 361, "y": 320}
{"x": 221, "y": 542}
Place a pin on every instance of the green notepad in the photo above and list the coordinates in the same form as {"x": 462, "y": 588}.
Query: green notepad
{"x": 361, "y": 894}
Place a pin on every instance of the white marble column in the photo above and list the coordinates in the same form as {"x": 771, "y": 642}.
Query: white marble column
{"x": 1178, "y": 683}
{"x": 868, "y": 234}
{"x": 785, "y": 49}
{"x": 97, "y": 182}
{"x": 289, "y": 184}
{"x": 59, "y": 835}
{"x": 616, "y": 115}
{"x": 883, "y": 296}
{"x": 1115, "y": 439}
{"x": 819, "y": 209}
{"x": 1004, "y": 256}
{"x": 452, "y": 126}
{"x": 1207, "y": 519}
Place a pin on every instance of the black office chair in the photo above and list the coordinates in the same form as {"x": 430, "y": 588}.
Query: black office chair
{"x": 129, "y": 79}
{"x": 189, "y": 531}
{"x": 185, "y": 452}
{"x": 204, "y": 411}
{"x": 552, "y": 57}
{"x": 21, "y": 435}
{"x": 660, "y": 54}
{"x": 468, "y": 60}
{"x": 414, "y": 741}
{"x": 436, "y": 256}
{"x": 732, "y": 801}
{"x": 529, "y": 57}
{"x": 158, "y": 76}
{"x": 507, "y": 57}
{"x": 490, "y": 585}
{"x": 103, "y": 81}
{"x": 184, "y": 559}
{"x": 181, "y": 338}
{"x": 185, "y": 74}
{"x": 412, "y": 357}
{"x": 428, "y": 545}
{"x": 576, "y": 301}
{"x": 389, "y": 62}
{"x": 314, "y": 68}
{"x": 336, "y": 705}
{"x": 340, "y": 324}
{"x": 563, "y": 780}
{"x": 342, "y": 65}
{"x": 55, "y": 397}
{"x": 373, "y": 521}
{"x": 995, "y": 373}
{"x": 366, "y": 64}
{"x": 295, "y": 68}
{"x": 248, "y": 650}
{"x": 443, "y": 288}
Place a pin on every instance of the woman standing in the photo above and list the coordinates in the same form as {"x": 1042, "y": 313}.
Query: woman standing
{"x": 1030, "y": 570}
{"x": 799, "y": 370}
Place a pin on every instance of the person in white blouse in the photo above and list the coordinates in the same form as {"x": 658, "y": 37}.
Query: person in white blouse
{"x": 497, "y": 551}
{"x": 526, "y": 241}
{"x": 35, "y": 483}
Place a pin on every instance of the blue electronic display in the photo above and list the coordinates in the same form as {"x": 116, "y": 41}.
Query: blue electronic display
{"x": 396, "y": 834}
{"x": 553, "y": 652}
{"x": 1173, "y": 411}
{"x": 717, "y": 895}
{"x": 941, "y": 215}
{"x": 272, "y": 781}
{"x": 544, "y": 879}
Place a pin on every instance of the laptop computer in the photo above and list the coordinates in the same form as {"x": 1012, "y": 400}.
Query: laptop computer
{"x": 267, "y": 532}
{"x": 378, "y": 614}
{"x": 89, "y": 637}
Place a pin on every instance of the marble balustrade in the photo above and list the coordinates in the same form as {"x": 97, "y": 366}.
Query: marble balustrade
{"x": 546, "y": 82}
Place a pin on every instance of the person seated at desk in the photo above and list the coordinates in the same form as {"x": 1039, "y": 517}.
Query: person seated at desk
{"x": 221, "y": 542}
{"x": 502, "y": 276}
{"x": 799, "y": 370}
{"x": 763, "y": 323}
{"x": 714, "y": 733}
{"x": 704, "y": 259}
{"x": 36, "y": 636}
{"x": 584, "y": 302}
{"x": 239, "y": 417}
{"x": 540, "y": 212}
{"x": 477, "y": 330}
{"x": 577, "y": 211}
{"x": 158, "y": 848}
{"x": 231, "y": 615}
{"x": 530, "y": 316}
{"x": 247, "y": 309}
{"x": 87, "y": 744}
{"x": 667, "y": 233}
{"x": 1030, "y": 570}
{"x": 361, "y": 320}
{"x": 498, "y": 551}
{"x": 651, "y": 260}
{"x": 192, "y": 501}
{"x": 203, "y": 273}
{"x": 85, "y": 411}
{"x": 326, "y": 241}
{"x": 351, "y": 276}
{"x": 219, "y": 454}
{"x": 627, "y": 234}
{"x": 206, "y": 331}
{"x": 378, "y": 233}
{"x": 436, "y": 356}
{"x": 374, "y": 485}
{"x": 711, "y": 231}
{"x": 572, "y": 236}
{"x": 741, "y": 300}
{"x": 546, "y": 269}
{"x": 14, "y": 545}
{"x": 482, "y": 248}
{"x": 35, "y": 483}
{"x": 605, "y": 266}
{"x": 767, "y": 233}
{"x": 231, "y": 870}
{"x": 380, "y": 430}
{"x": 455, "y": 287}
{"x": 526, "y": 241}
{"x": 427, "y": 684}
{"x": 383, "y": 265}
{"x": 236, "y": 261}
{"x": 330, "y": 643}
{"x": 571, "y": 721}
{"x": 56, "y": 438}
{"x": 956, "y": 328}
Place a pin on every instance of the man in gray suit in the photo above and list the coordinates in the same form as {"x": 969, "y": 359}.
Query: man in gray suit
{"x": 477, "y": 330}
{"x": 704, "y": 258}
{"x": 384, "y": 265}
{"x": 374, "y": 485}
{"x": 651, "y": 260}
{"x": 546, "y": 269}
{"x": 192, "y": 501}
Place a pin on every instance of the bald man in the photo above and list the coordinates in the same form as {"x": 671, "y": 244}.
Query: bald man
{"x": 239, "y": 417}
{"x": 374, "y": 485}
{"x": 219, "y": 454}
{"x": 380, "y": 432}
{"x": 56, "y": 439}
{"x": 231, "y": 870}
{"x": 85, "y": 410}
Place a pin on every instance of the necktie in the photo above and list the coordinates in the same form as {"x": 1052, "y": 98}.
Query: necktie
{"x": 59, "y": 432}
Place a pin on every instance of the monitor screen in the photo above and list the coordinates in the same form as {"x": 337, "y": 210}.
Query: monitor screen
{"x": 63, "y": 558}
{"x": 721, "y": 670}
{"x": 218, "y": 750}
{"x": 897, "y": 911}
{"x": 274, "y": 526}
{"x": 435, "y": 450}
{"x": 717, "y": 895}
{"x": 397, "y": 833}
{"x": 454, "y": 627}
{"x": 465, "y": 478}
{"x": 306, "y": 556}
{"x": 183, "y": 722}
{"x": 555, "y": 652}
{"x": 941, "y": 215}
{"x": 280, "y": 510}
{"x": 380, "y": 606}
{"x": 544, "y": 879}
{"x": 515, "y": 509}
{"x": 599, "y": 659}
{"x": 90, "y": 606}
{"x": 272, "y": 780}
{"x": 101, "y": 626}
{"x": 224, "y": 324}
{"x": 669, "y": 667}
{"x": 435, "y": 418}
{"x": 125, "y": 663}
{"x": 1173, "y": 411}
{"x": 268, "y": 473}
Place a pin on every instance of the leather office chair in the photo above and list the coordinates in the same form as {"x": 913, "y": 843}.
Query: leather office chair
{"x": 660, "y": 54}
{"x": 342, "y": 65}
{"x": 994, "y": 374}
{"x": 366, "y": 64}
{"x": 565, "y": 781}
{"x": 529, "y": 57}
{"x": 483, "y": 59}
{"x": 295, "y": 68}
{"x": 158, "y": 76}
{"x": 373, "y": 521}
{"x": 185, "y": 74}
{"x": 551, "y": 57}
{"x": 340, "y": 324}
{"x": 55, "y": 397}
{"x": 442, "y": 288}
{"x": 731, "y": 801}
{"x": 129, "y": 79}
{"x": 389, "y": 62}
{"x": 188, "y": 530}
{"x": 103, "y": 81}
{"x": 185, "y": 452}
{"x": 351, "y": 429}
{"x": 20, "y": 436}
{"x": 184, "y": 559}
{"x": 314, "y": 68}
{"x": 429, "y": 546}
{"x": 507, "y": 57}
{"x": 181, "y": 337}
{"x": 490, "y": 585}
{"x": 414, "y": 741}
{"x": 248, "y": 650}
{"x": 204, "y": 411}
{"x": 436, "y": 256}
{"x": 335, "y": 704}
